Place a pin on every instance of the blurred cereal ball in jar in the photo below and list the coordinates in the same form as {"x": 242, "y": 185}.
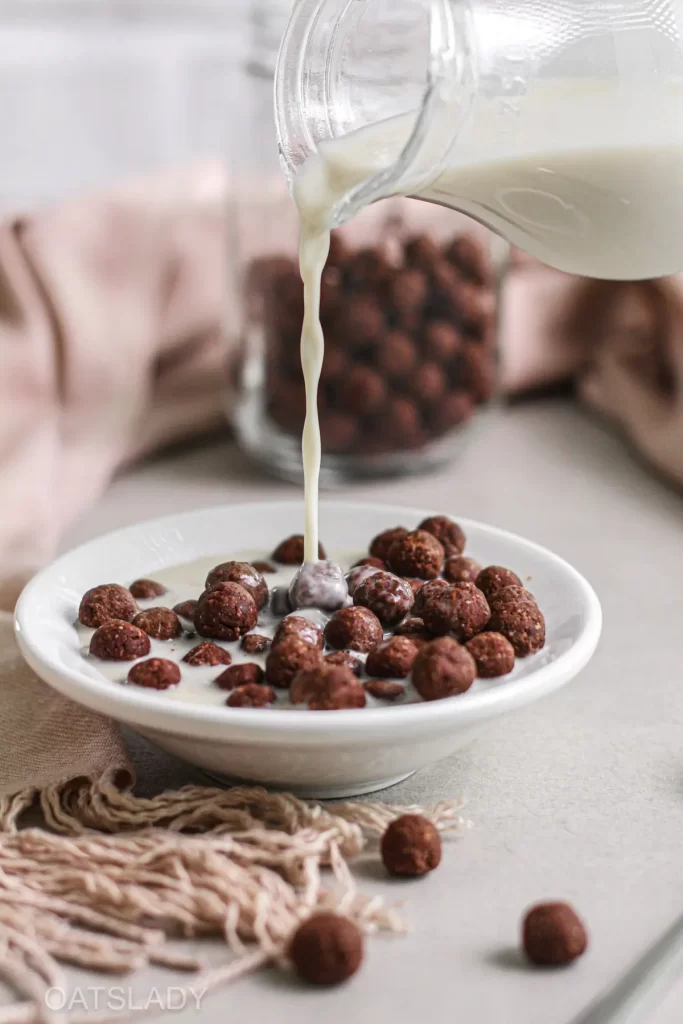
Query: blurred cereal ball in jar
{"x": 409, "y": 313}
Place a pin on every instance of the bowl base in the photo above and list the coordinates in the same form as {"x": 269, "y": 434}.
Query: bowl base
{"x": 314, "y": 792}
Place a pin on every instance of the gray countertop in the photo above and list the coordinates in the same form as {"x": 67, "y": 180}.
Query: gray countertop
{"x": 579, "y": 797}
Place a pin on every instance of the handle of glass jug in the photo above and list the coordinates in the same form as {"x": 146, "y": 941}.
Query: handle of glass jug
{"x": 409, "y": 65}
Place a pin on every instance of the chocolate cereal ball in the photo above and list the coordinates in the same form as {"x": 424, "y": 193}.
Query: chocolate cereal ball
{"x": 370, "y": 560}
{"x": 159, "y": 623}
{"x": 319, "y": 585}
{"x": 383, "y": 541}
{"x": 347, "y": 660}
{"x": 327, "y": 687}
{"x": 155, "y": 674}
{"x": 513, "y": 595}
{"x": 494, "y": 655}
{"x": 428, "y": 591}
{"x": 446, "y": 531}
{"x": 327, "y": 949}
{"x": 384, "y": 689}
{"x": 251, "y": 696}
{"x": 226, "y": 612}
{"x": 208, "y": 653}
{"x": 119, "y": 641}
{"x": 357, "y": 629}
{"x": 144, "y": 590}
{"x": 461, "y": 610}
{"x": 341, "y": 691}
{"x": 389, "y": 597}
{"x": 186, "y": 609}
{"x": 418, "y": 554}
{"x": 253, "y": 643}
{"x": 494, "y": 578}
{"x": 240, "y": 675}
{"x": 520, "y": 622}
{"x": 553, "y": 934}
{"x": 289, "y": 656}
{"x": 307, "y": 683}
{"x": 356, "y": 576}
{"x": 299, "y": 627}
{"x": 243, "y": 573}
{"x": 105, "y": 603}
{"x": 460, "y": 569}
{"x": 443, "y": 668}
{"x": 415, "y": 629}
{"x": 393, "y": 659}
{"x": 291, "y": 550}
{"x": 411, "y": 846}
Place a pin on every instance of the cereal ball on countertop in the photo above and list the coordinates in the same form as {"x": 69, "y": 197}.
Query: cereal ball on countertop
{"x": 226, "y": 612}
{"x": 389, "y": 597}
{"x": 287, "y": 657}
{"x": 411, "y": 846}
{"x": 326, "y": 949}
{"x": 393, "y": 659}
{"x": 461, "y": 610}
{"x": 144, "y": 590}
{"x": 553, "y": 934}
{"x": 208, "y": 653}
{"x": 105, "y": 603}
{"x": 243, "y": 573}
{"x": 418, "y": 554}
{"x": 119, "y": 641}
{"x": 155, "y": 674}
{"x": 494, "y": 655}
{"x": 450, "y": 535}
{"x": 354, "y": 628}
{"x": 494, "y": 578}
{"x": 159, "y": 623}
{"x": 443, "y": 668}
{"x": 299, "y": 628}
{"x": 291, "y": 550}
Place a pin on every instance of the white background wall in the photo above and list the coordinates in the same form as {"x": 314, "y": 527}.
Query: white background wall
{"x": 91, "y": 90}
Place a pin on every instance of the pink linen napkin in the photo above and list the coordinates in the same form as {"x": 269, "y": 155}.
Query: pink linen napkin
{"x": 111, "y": 315}
{"x": 110, "y": 344}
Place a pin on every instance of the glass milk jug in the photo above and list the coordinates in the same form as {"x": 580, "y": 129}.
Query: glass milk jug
{"x": 557, "y": 124}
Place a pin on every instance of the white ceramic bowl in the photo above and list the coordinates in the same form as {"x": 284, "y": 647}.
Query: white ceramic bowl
{"x": 312, "y": 753}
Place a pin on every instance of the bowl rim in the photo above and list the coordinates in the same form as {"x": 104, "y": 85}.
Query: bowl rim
{"x": 191, "y": 719}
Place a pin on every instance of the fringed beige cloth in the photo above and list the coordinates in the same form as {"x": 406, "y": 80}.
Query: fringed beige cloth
{"x": 113, "y": 879}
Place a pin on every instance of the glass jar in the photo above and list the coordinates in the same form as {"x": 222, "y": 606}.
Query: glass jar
{"x": 409, "y": 303}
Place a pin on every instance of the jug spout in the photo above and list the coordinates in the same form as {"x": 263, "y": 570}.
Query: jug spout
{"x": 379, "y": 89}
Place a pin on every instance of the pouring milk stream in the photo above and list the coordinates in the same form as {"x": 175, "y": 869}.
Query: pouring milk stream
{"x": 581, "y": 191}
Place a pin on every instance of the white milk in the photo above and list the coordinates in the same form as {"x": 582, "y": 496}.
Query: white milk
{"x": 588, "y": 179}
